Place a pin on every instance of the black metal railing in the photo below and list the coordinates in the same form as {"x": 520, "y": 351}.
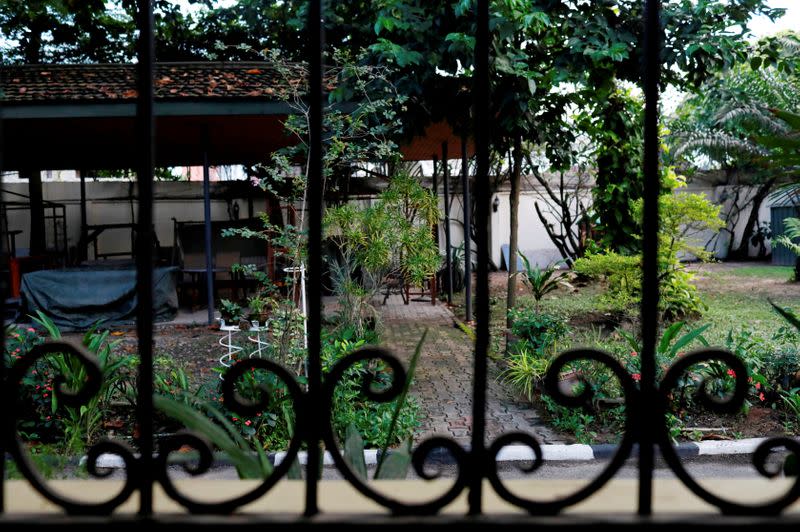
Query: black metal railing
{"x": 646, "y": 404}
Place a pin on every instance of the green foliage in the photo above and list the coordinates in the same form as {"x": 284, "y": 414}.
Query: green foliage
{"x": 616, "y": 129}
{"x": 258, "y": 305}
{"x": 391, "y": 237}
{"x": 670, "y": 345}
{"x": 44, "y": 418}
{"x": 541, "y": 282}
{"x": 525, "y": 369}
{"x": 683, "y": 216}
{"x": 571, "y": 421}
{"x": 537, "y": 331}
{"x": 789, "y": 238}
{"x": 37, "y": 420}
{"x": 621, "y": 273}
{"x": 250, "y": 461}
{"x": 230, "y": 311}
{"x": 371, "y": 420}
{"x": 396, "y": 464}
{"x": 393, "y": 233}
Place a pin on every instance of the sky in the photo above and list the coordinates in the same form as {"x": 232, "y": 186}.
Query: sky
{"x": 762, "y": 26}
{"x": 759, "y": 27}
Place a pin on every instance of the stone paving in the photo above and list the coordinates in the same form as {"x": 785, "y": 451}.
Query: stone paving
{"x": 443, "y": 380}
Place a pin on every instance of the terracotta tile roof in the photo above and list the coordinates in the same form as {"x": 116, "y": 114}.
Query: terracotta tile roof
{"x": 40, "y": 83}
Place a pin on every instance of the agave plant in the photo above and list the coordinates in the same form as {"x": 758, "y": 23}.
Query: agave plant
{"x": 541, "y": 281}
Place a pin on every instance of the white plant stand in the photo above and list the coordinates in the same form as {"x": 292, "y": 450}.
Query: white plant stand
{"x": 231, "y": 349}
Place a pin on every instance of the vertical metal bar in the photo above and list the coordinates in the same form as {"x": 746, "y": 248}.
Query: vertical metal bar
{"x": 436, "y": 195}
{"x": 467, "y": 231}
{"x": 315, "y": 195}
{"x": 483, "y": 193}
{"x": 207, "y": 233}
{"x": 84, "y": 251}
{"x": 650, "y": 294}
{"x": 447, "y": 244}
{"x": 38, "y": 230}
{"x": 145, "y": 125}
{"x": 3, "y": 296}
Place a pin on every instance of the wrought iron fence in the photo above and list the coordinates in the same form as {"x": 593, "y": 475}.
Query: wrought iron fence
{"x": 646, "y": 403}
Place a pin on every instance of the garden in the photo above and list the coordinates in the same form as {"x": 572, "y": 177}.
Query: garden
{"x": 568, "y": 312}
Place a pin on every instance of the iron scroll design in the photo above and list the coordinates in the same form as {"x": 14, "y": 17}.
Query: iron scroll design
{"x": 553, "y": 388}
{"x": 71, "y": 398}
{"x": 242, "y": 407}
{"x": 732, "y": 403}
{"x": 420, "y": 454}
{"x": 631, "y": 435}
{"x": 300, "y": 400}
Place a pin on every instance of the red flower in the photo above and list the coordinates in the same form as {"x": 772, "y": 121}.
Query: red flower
{"x": 637, "y": 377}
{"x": 248, "y": 422}
{"x": 761, "y": 396}
{"x": 732, "y": 373}
{"x": 758, "y": 386}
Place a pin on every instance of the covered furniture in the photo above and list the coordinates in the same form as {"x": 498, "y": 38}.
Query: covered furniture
{"x": 77, "y": 298}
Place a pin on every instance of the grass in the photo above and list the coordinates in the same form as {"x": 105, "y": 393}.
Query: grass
{"x": 733, "y": 310}
{"x": 736, "y": 296}
{"x": 762, "y": 272}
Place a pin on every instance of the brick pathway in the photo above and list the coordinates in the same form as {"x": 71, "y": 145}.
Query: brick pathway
{"x": 443, "y": 380}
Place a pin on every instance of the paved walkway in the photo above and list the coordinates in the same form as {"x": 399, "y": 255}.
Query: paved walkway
{"x": 443, "y": 380}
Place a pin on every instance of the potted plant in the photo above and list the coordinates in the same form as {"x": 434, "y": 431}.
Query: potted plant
{"x": 259, "y": 308}
{"x": 230, "y": 312}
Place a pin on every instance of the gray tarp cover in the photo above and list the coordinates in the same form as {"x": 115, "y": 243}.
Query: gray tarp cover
{"x": 77, "y": 298}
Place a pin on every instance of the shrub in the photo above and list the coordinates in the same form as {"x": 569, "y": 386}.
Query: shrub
{"x": 540, "y": 331}
{"x": 683, "y": 217}
{"x": 621, "y": 273}
{"x": 371, "y": 419}
{"x": 526, "y": 370}
{"x": 72, "y": 427}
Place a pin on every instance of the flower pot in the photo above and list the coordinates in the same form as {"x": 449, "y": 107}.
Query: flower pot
{"x": 260, "y": 317}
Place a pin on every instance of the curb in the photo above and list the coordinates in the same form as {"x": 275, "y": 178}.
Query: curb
{"x": 516, "y": 453}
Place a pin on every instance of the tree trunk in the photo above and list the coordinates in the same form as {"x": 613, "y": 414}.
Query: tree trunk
{"x": 742, "y": 252}
{"x": 516, "y": 175}
{"x": 38, "y": 240}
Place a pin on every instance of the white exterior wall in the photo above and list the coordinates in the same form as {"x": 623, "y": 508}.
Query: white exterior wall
{"x": 533, "y": 239}
{"x": 106, "y": 204}
{"x": 715, "y": 195}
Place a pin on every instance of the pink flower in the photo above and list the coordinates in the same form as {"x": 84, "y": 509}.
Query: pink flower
{"x": 732, "y": 373}
{"x": 758, "y": 386}
{"x": 248, "y": 422}
{"x": 235, "y": 419}
{"x": 634, "y": 353}
{"x": 637, "y": 377}
{"x": 31, "y": 329}
{"x": 761, "y": 396}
